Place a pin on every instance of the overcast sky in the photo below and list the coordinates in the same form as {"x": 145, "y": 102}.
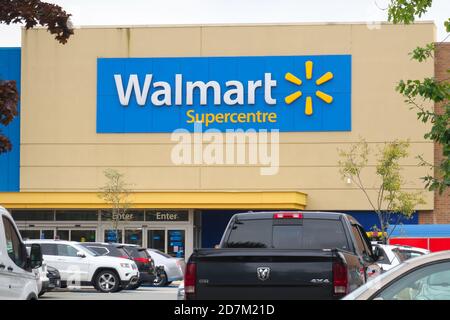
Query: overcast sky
{"x": 145, "y": 12}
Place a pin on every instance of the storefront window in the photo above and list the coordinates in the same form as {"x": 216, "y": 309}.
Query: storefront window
{"x": 83, "y": 235}
{"x": 176, "y": 243}
{"x": 62, "y": 235}
{"x": 133, "y": 236}
{"x": 76, "y": 215}
{"x": 47, "y": 234}
{"x": 113, "y": 236}
{"x": 29, "y": 234}
{"x": 157, "y": 239}
{"x": 33, "y": 215}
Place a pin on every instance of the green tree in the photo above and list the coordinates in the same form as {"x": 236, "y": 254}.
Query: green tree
{"x": 31, "y": 13}
{"x": 116, "y": 193}
{"x": 417, "y": 92}
{"x": 390, "y": 198}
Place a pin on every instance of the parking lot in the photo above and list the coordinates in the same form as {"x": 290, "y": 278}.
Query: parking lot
{"x": 89, "y": 293}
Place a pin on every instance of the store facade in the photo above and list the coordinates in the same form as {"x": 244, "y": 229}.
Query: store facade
{"x": 112, "y": 98}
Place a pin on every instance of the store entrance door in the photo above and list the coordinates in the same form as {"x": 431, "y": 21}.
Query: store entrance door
{"x": 169, "y": 240}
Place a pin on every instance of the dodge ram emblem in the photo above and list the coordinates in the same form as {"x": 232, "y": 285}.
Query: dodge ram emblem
{"x": 263, "y": 273}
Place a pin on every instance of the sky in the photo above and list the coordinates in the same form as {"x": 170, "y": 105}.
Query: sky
{"x": 148, "y": 12}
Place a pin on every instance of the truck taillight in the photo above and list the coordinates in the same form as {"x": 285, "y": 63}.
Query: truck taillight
{"x": 288, "y": 215}
{"x": 340, "y": 278}
{"x": 190, "y": 278}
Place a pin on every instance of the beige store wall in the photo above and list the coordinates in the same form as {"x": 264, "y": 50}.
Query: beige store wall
{"x": 61, "y": 151}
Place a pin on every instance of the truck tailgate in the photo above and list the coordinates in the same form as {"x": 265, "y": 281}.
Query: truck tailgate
{"x": 264, "y": 274}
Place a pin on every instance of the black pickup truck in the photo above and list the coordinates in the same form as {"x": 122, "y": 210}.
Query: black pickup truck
{"x": 282, "y": 255}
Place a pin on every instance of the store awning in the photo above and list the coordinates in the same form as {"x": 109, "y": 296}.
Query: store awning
{"x": 271, "y": 200}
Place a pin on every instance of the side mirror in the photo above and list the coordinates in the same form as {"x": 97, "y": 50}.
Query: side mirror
{"x": 35, "y": 256}
{"x": 81, "y": 254}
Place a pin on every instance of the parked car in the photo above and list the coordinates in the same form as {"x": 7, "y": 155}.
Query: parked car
{"x": 283, "y": 255}
{"x": 146, "y": 267}
{"x": 145, "y": 264}
{"x": 425, "y": 277}
{"x": 82, "y": 266}
{"x": 18, "y": 279}
{"x": 173, "y": 268}
{"x": 391, "y": 256}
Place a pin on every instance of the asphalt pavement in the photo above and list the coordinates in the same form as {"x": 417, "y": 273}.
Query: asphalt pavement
{"x": 89, "y": 293}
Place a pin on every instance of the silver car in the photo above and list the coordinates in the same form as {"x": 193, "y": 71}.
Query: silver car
{"x": 173, "y": 267}
{"x": 423, "y": 278}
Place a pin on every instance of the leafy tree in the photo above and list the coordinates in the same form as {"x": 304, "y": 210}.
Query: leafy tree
{"x": 31, "y": 13}
{"x": 116, "y": 193}
{"x": 390, "y": 198}
{"x": 417, "y": 92}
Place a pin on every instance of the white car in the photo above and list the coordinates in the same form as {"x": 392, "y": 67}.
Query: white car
{"x": 173, "y": 267}
{"x": 18, "y": 280}
{"x": 426, "y": 277}
{"x": 80, "y": 266}
{"x": 393, "y": 255}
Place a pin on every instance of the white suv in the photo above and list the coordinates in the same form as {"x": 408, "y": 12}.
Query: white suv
{"x": 80, "y": 266}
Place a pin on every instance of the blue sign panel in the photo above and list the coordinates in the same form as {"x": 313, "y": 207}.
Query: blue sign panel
{"x": 10, "y": 161}
{"x": 289, "y": 93}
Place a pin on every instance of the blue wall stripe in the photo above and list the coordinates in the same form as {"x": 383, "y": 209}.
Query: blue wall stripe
{"x": 10, "y": 162}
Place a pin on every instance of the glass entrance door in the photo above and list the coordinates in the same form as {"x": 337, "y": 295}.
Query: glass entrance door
{"x": 170, "y": 241}
{"x": 156, "y": 239}
{"x": 133, "y": 236}
{"x": 176, "y": 240}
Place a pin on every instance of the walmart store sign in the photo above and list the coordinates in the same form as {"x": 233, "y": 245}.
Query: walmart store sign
{"x": 289, "y": 93}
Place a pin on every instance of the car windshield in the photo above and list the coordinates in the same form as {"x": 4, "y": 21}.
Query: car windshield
{"x": 400, "y": 256}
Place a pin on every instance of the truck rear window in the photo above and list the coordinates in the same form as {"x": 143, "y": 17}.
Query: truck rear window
{"x": 311, "y": 234}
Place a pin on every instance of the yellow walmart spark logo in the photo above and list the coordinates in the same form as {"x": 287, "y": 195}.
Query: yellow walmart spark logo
{"x": 297, "y": 94}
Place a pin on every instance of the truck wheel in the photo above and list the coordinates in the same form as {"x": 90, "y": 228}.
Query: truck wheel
{"x": 107, "y": 281}
{"x": 161, "y": 280}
